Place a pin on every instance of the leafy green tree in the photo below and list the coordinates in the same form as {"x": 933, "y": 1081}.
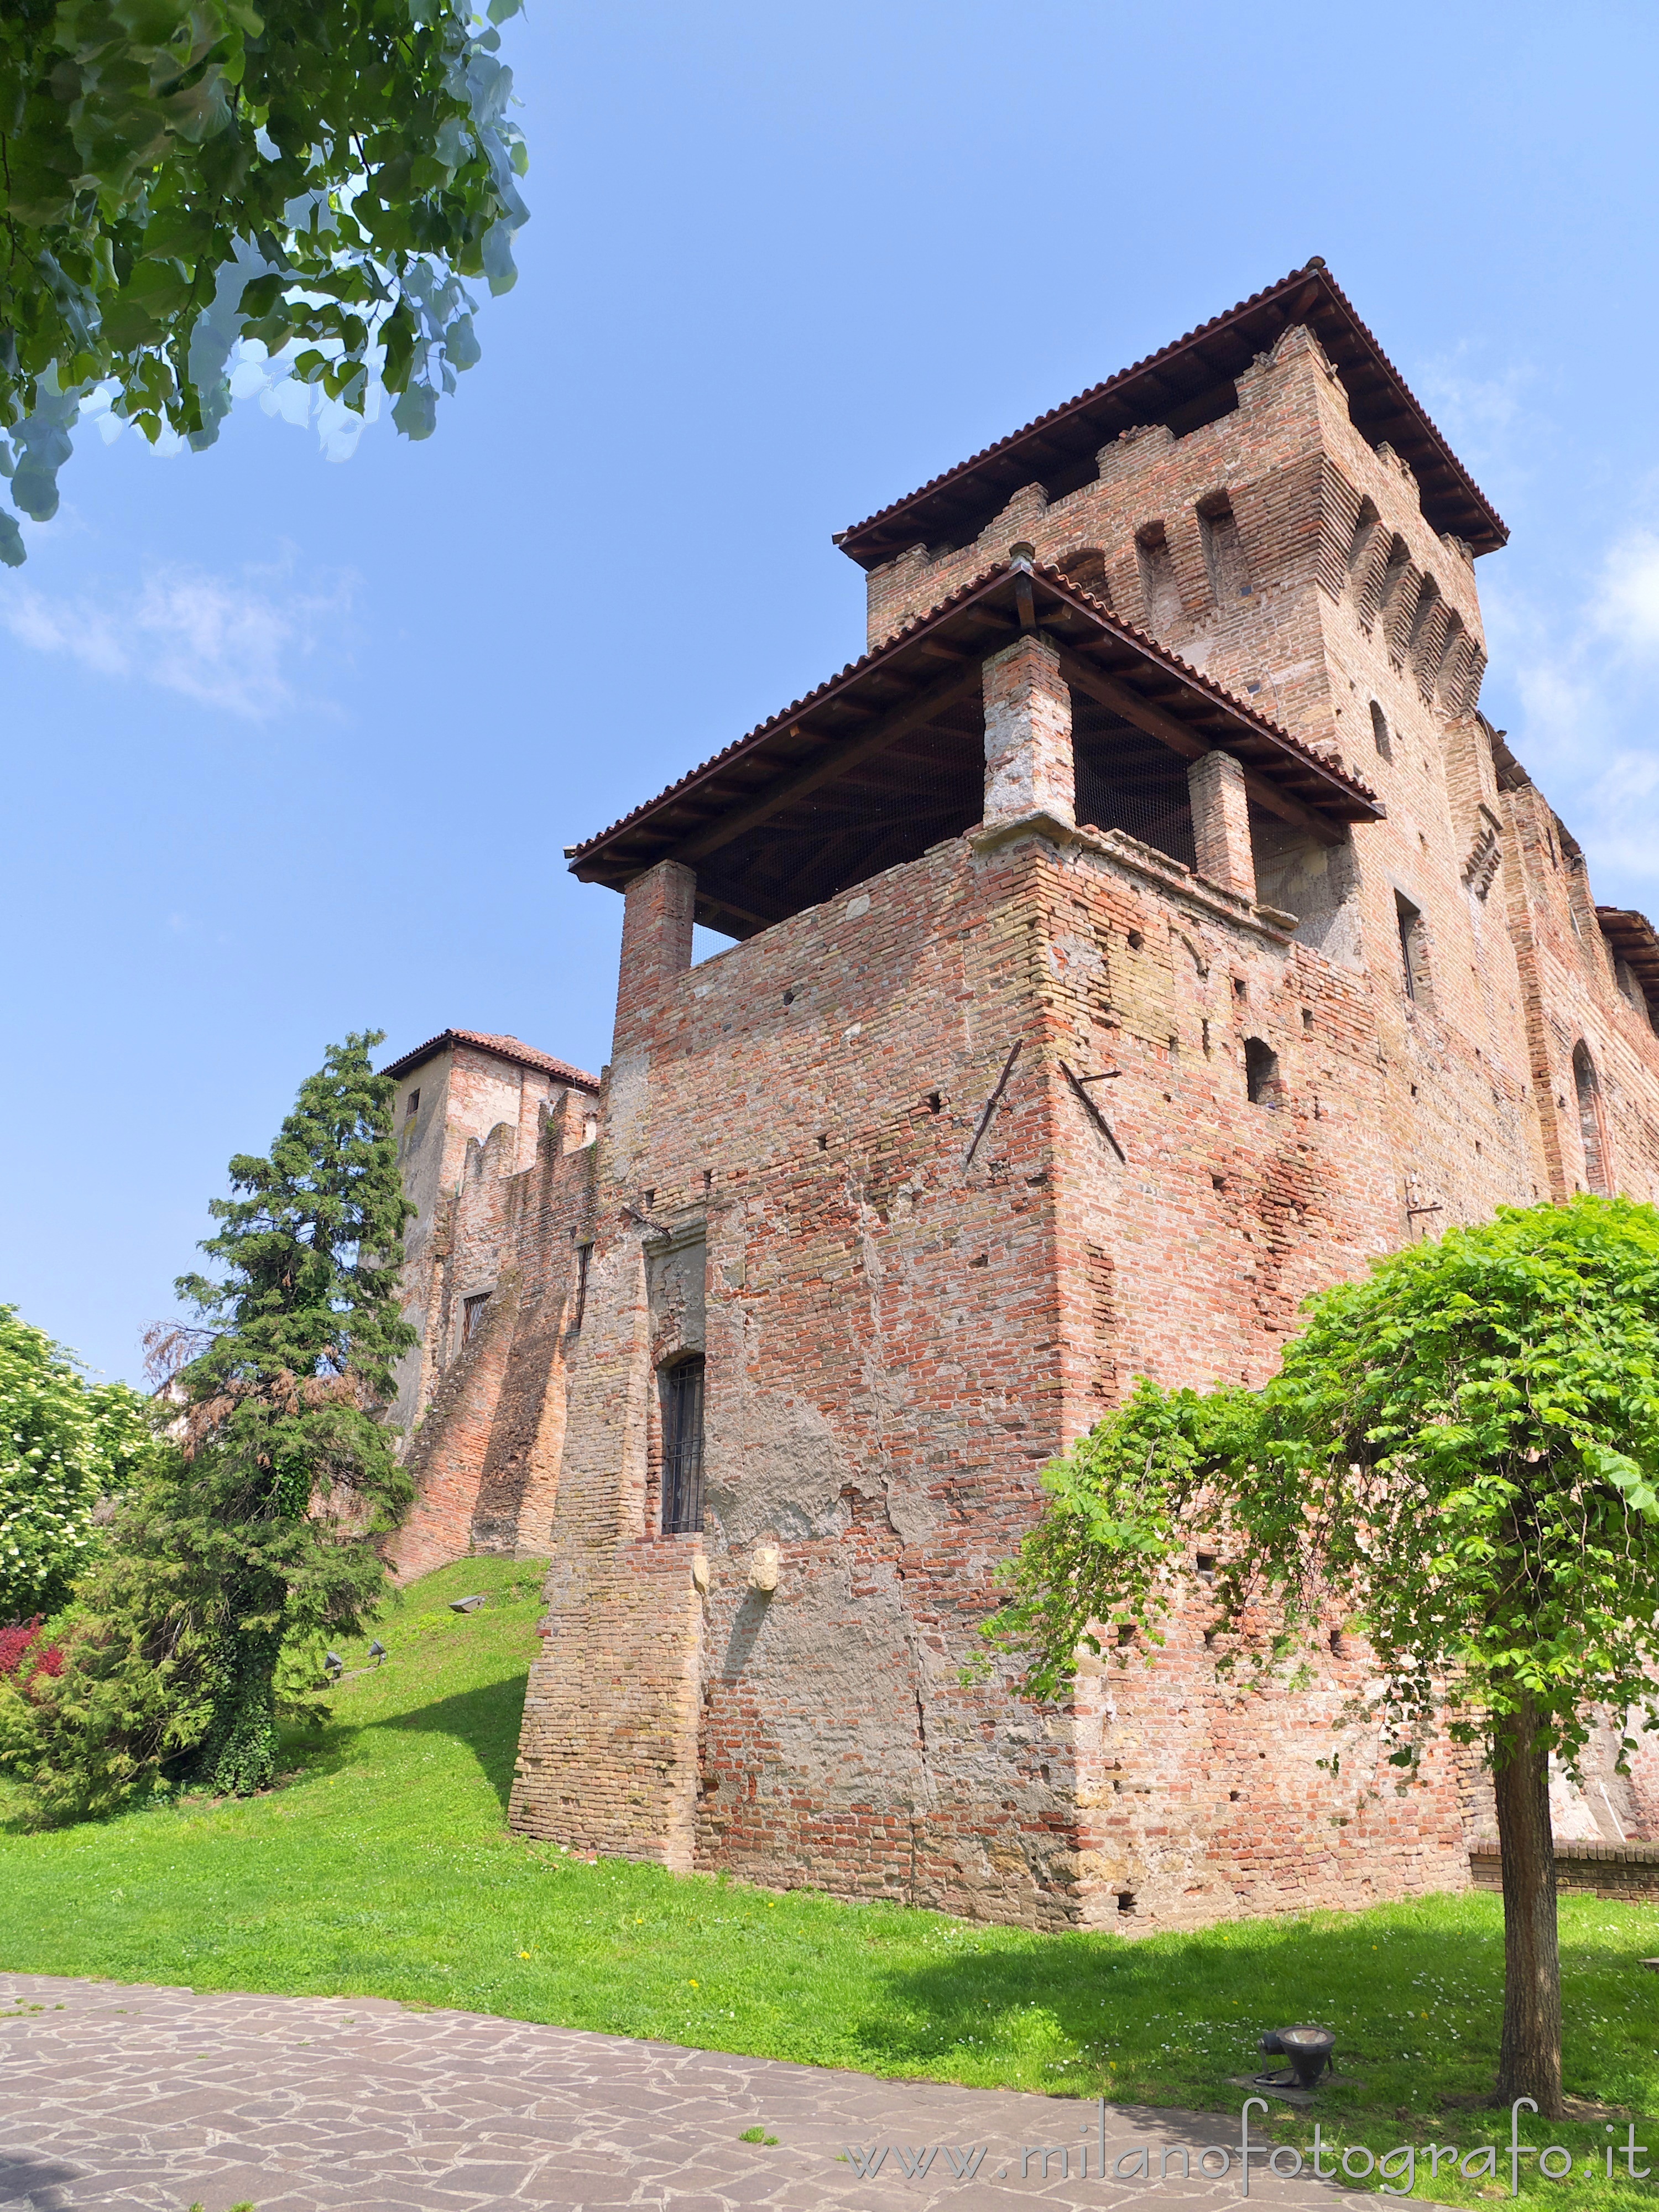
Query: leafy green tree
{"x": 180, "y": 174}
{"x": 1459, "y": 1458}
{"x": 260, "y": 1531}
{"x": 63, "y": 1445}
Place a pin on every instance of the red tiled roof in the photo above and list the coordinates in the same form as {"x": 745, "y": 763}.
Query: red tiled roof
{"x": 1238, "y": 710}
{"x": 1635, "y": 941}
{"x": 504, "y": 1048}
{"x": 1061, "y": 446}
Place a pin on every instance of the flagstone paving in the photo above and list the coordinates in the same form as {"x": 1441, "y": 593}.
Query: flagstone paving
{"x": 119, "y": 2096}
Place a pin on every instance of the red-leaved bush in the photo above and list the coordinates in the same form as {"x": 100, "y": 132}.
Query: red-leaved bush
{"x": 21, "y": 1652}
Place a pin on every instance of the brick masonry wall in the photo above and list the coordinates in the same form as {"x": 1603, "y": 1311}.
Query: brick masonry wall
{"x": 460, "y": 1096}
{"x": 902, "y": 1324}
{"x": 1624, "y": 1873}
{"x": 485, "y": 1454}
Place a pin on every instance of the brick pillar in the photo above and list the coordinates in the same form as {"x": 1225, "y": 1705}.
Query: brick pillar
{"x": 656, "y": 943}
{"x": 1221, "y": 824}
{"x": 1028, "y": 734}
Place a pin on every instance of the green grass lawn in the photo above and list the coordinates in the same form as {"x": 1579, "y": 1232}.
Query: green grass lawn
{"x": 382, "y": 1867}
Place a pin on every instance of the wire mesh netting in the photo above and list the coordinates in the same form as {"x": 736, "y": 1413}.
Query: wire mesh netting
{"x": 891, "y": 807}
{"x": 1129, "y": 782}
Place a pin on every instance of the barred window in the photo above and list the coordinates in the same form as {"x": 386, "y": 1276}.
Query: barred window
{"x": 472, "y": 1312}
{"x": 682, "y": 1447}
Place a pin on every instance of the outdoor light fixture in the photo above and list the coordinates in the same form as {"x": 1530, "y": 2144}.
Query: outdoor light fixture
{"x": 377, "y": 1651}
{"x": 334, "y": 1665}
{"x": 466, "y": 1604}
{"x": 1310, "y": 2051}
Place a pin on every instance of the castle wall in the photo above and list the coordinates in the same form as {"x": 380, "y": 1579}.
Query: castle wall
{"x": 928, "y": 1174}
{"x": 896, "y": 1345}
{"x": 460, "y": 1095}
{"x": 883, "y": 1387}
{"x": 485, "y": 1453}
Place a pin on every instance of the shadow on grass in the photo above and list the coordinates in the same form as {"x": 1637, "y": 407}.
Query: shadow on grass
{"x": 485, "y": 1720}
{"x": 1171, "y": 2018}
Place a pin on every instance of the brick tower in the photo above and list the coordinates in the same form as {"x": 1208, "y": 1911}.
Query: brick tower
{"x": 1146, "y": 932}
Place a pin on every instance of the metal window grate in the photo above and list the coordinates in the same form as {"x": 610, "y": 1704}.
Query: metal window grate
{"x": 472, "y": 1312}
{"x": 682, "y": 1448}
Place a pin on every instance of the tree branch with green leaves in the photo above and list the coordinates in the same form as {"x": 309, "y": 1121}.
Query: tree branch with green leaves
{"x": 1459, "y": 1459}
{"x": 66, "y": 1445}
{"x": 180, "y": 176}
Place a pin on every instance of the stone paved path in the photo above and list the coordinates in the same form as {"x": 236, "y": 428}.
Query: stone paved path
{"x": 113, "y": 2095}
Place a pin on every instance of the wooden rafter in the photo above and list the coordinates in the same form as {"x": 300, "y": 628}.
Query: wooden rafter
{"x": 835, "y": 762}
{"x": 1180, "y": 738}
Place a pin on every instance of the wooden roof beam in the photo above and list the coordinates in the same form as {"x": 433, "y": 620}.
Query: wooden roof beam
{"x": 1108, "y": 692}
{"x": 713, "y": 905}
{"x": 836, "y": 761}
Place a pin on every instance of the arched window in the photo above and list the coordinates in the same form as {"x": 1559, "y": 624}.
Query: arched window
{"x": 1430, "y": 625}
{"x": 1366, "y": 523}
{"x": 1387, "y": 564}
{"x": 1455, "y": 656}
{"x": 1590, "y": 1128}
{"x": 682, "y": 1446}
{"x": 1380, "y": 731}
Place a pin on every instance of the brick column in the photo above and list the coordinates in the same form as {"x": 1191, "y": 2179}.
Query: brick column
{"x": 656, "y": 943}
{"x": 1028, "y": 734}
{"x": 1221, "y": 824}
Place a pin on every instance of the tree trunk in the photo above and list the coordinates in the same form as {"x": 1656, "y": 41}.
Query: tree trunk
{"x": 239, "y": 1754}
{"x": 1529, "y": 2061}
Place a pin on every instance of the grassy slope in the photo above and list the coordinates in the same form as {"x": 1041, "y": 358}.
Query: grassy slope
{"x": 383, "y": 1867}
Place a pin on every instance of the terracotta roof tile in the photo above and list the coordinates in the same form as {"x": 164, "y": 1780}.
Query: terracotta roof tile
{"x": 1343, "y": 331}
{"x": 504, "y": 1048}
{"x": 934, "y": 616}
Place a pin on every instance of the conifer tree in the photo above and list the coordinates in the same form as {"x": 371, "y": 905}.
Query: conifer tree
{"x": 259, "y": 1531}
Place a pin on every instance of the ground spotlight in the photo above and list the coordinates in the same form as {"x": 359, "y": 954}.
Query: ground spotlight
{"x": 1309, "y": 2049}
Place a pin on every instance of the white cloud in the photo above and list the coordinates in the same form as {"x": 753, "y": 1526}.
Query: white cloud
{"x": 1628, "y": 609}
{"x": 235, "y": 647}
{"x": 1488, "y": 419}
{"x": 1581, "y": 675}
{"x": 83, "y": 632}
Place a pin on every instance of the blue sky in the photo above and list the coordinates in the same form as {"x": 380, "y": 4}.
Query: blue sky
{"x": 295, "y": 745}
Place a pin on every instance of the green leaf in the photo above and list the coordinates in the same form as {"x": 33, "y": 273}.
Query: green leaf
{"x": 416, "y": 412}
{"x": 261, "y": 295}
{"x": 151, "y": 22}
{"x": 461, "y": 347}
{"x": 199, "y": 111}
